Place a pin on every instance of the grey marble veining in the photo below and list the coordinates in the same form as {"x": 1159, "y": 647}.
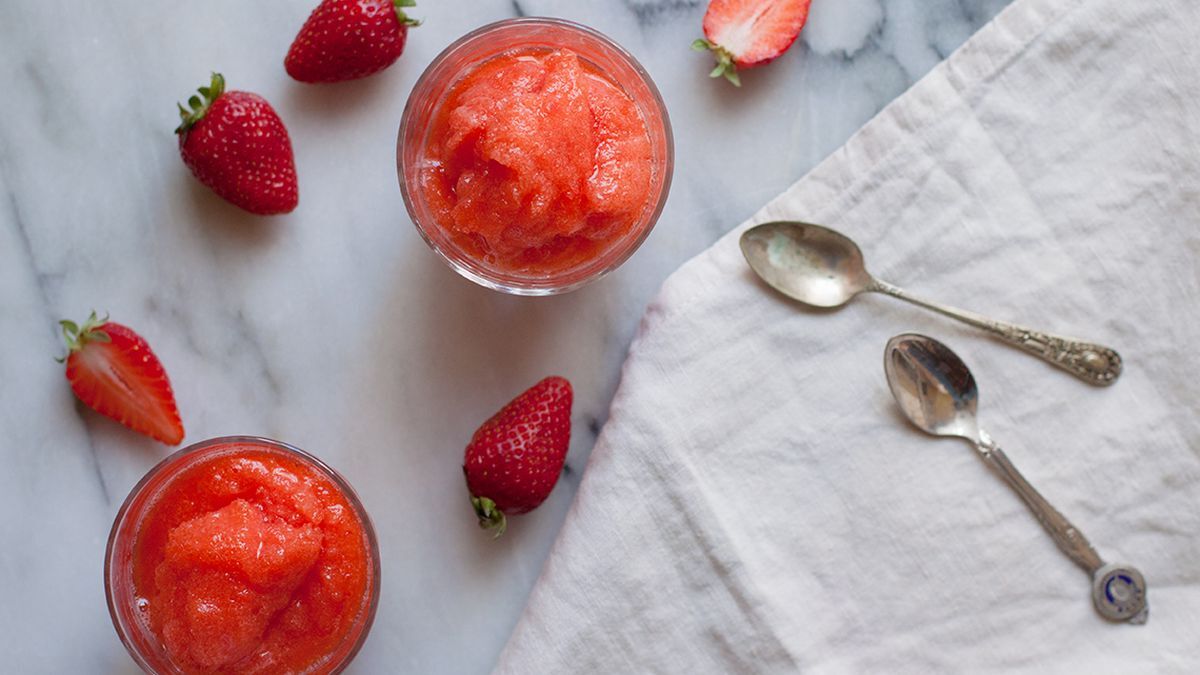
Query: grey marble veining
{"x": 334, "y": 328}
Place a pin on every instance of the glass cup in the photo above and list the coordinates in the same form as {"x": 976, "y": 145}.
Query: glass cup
{"x": 597, "y": 52}
{"x": 128, "y": 617}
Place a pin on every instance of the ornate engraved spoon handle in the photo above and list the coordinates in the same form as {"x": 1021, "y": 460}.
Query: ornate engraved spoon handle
{"x": 1090, "y": 362}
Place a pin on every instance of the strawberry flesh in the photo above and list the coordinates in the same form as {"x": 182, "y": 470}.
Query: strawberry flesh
{"x": 514, "y": 459}
{"x": 113, "y": 371}
{"x": 747, "y": 33}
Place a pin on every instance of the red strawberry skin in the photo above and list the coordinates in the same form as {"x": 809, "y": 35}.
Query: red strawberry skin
{"x": 121, "y": 378}
{"x": 348, "y": 39}
{"x": 515, "y": 458}
{"x": 747, "y": 33}
{"x": 238, "y": 146}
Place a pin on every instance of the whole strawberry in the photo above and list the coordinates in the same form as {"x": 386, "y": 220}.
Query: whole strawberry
{"x": 515, "y": 458}
{"x": 235, "y": 144}
{"x": 113, "y": 371}
{"x": 748, "y": 33}
{"x": 349, "y": 39}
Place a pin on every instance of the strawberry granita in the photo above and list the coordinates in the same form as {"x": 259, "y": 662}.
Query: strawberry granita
{"x": 250, "y": 558}
{"x": 536, "y": 162}
{"x": 539, "y": 160}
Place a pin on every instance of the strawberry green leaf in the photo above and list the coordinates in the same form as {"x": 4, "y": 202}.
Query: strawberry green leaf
{"x": 77, "y": 336}
{"x": 404, "y": 18}
{"x": 725, "y": 66}
{"x": 490, "y": 517}
{"x": 199, "y": 105}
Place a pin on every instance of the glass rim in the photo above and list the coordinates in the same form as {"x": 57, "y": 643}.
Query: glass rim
{"x": 536, "y": 287}
{"x": 367, "y": 615}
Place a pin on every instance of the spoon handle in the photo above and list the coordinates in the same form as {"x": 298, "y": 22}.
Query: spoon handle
{"x": 1090, "y": 362}
{"x": 1070, "y": 540}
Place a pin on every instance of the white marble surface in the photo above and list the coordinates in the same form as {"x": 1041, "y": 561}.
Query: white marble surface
{"x": 334, "y": 328}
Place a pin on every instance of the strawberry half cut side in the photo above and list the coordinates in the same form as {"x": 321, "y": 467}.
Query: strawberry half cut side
{"x": 113, "y": 371}
{"x": 748, "y": 33}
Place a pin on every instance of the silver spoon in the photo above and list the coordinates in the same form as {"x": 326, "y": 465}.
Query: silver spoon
{"x": 822, "y": 268}
{"x": 937, "y": 393}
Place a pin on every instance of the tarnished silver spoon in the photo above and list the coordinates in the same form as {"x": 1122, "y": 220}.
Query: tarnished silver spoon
{"x": 823, "y": 268}
{"x": 937, "y": 393}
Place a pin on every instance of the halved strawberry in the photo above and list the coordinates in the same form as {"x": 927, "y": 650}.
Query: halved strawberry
{"x": 748, "y": 33}
{"x": 113, "y": 371}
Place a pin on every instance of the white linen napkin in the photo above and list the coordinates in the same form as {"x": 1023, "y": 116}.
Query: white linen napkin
{"x": 756, "y": 503}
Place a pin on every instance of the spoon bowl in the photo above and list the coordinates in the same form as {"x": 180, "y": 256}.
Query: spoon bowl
{"x": 810, "y": 264}
{"x": 933, "y": 387}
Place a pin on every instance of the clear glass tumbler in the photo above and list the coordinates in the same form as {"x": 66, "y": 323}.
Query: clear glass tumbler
{"x": 597, "y": 52}
{"x": 127, "y": 610}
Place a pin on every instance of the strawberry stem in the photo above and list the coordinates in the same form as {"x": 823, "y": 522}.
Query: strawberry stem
{"x": 77, "y": 336}
{"x": 725, "y": 66}
{"x": 199, "y": 106}
{"x": 404, "y": 18}
{"x": 490, "y": 517}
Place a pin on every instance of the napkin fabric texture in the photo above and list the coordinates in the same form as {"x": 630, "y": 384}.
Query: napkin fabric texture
{"x": 756, "y": 501}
